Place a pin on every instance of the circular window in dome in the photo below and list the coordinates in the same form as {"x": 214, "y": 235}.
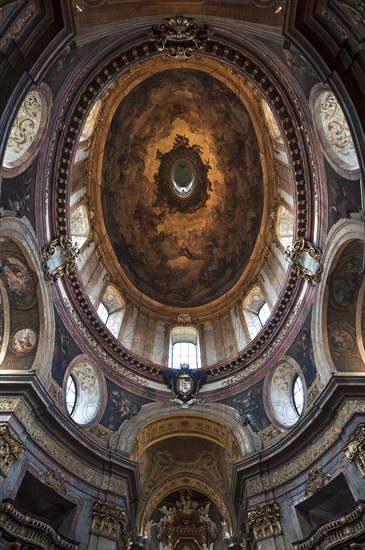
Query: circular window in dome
{"x": 183, "y": 178}
{"x": 83, "y": 393}
{"x": 286, "y": 393}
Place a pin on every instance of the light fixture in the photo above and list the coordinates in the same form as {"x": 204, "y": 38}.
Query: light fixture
{"x": 78, "y": 8}
{"x": 279, "y": 9}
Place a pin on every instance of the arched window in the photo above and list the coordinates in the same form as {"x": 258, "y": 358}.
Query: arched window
{"x": 90, "y": 122}
{"x": 285, "y": 226}
{"x": 264, "y": 313}
{"x": 80, "y": 227}
{"x": 111, "y": 310}
{"x": 256, "y": 311}
{"x": 184, "y": 347}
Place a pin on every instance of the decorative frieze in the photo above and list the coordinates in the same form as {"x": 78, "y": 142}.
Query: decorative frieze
{"x": 54, "y": 479}
{"x": 54, "y": 449}
{"x": 19, "y": 25}
{"x": 56, "y": 392}
{"x": 312, "y": 452}
{"x": 269, "y": 433}
{"x": 101, "y": 432}
{"x": 355, "y": 449}
{"x": 108, "y": 521}
{"x": 315, "y": 481}
{"x": 10, "y": 449}
{"x": 313, "y": 392}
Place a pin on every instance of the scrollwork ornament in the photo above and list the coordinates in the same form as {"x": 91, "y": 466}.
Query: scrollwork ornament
{"x": 59, "y": 258}
{"x": 315, "y": 481}
{"x": 54, "y": 479}
{"x": 306, "y": 260}
{"x": 338, "y": 132}
{"x": 24, "y": 127}
{"x": 180, "y": 36}
{"x": 269, "y": 433}
{"x": 355, "y": 449}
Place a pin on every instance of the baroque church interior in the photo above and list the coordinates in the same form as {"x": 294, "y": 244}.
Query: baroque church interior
{"x": 182, "y": 274}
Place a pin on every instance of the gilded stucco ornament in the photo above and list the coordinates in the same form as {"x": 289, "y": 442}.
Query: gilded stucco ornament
{"x": 54, "y": 479}
{"x": 10, "y": 449}
{"x": 16, "y": 28}
{"x": 185, "y": 384}
{"x": 108, "y": 521}
{"x": 305, "y": 259}
{"x": 59, "y": 258}
{"x": 179, "y": 36}
{"x": 269, "y": 433}
{"x": 315, "y": 481}
{"x": 355, "y": 449}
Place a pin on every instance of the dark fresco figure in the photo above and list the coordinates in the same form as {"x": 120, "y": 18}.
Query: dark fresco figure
{"x": 120, "y": 409}
{"x": 250, "y": 411}
{"x": 305, "y": 356}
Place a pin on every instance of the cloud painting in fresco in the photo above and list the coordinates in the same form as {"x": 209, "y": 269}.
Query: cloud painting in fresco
{"x": 182, "y": 259}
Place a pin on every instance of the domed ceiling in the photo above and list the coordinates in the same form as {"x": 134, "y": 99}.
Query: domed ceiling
{"x": 182, "y": 193}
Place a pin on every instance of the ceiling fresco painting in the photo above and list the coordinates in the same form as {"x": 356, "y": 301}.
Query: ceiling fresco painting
{"x": 186, "y": 253}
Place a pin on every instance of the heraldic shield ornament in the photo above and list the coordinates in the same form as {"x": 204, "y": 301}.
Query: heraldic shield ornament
{"x": 185, "y": 384}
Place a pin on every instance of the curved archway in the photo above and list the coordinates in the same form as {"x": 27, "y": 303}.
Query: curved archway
{"x": 221, "y": 421}
{"x": 180, "y": 483}
{"x": 20, "y": 231}
{"x": 339, "y": 238}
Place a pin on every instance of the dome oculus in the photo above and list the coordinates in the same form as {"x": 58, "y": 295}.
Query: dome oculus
{"x": 183, "y": 178}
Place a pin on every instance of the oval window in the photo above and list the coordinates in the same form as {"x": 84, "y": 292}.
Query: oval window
{"x": 83, "y": 393}
{"x": 286, "y": 395}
